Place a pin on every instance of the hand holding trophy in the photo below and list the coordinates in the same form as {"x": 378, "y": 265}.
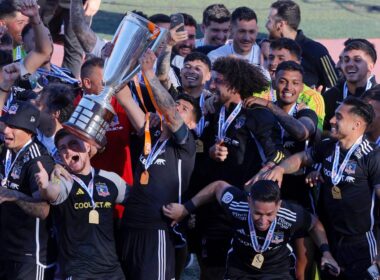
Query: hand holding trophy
{"x": 94, "y": 113}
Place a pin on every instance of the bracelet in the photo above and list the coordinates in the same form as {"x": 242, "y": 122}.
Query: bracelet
{"x": 324, "y": 248}
{"x": 189, "y": 206}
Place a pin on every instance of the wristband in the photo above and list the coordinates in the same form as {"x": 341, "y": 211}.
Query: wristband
{"x": 189, "y": 206}
{"x": 324, "y": 248}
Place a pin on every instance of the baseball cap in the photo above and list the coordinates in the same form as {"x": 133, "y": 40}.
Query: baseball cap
{"x": 22, "y": 115}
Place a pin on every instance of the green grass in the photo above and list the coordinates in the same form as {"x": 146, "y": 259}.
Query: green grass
{"x": 320, "y": 18}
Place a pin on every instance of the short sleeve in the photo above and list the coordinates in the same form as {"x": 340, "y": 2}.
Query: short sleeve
{"x": 374, "y": 167}
{"x": 318, "y": 151}
{"x": 231, "y": 196}
{"x": 121, "y": 186}
{"x": 305, "y": 220}
{"x": 65, "y": 187}
{"x": 308, "y": 113}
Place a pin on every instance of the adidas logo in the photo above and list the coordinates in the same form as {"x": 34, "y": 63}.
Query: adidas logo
{"x": 79, "y": 192}
{"x": 329, "y": 159}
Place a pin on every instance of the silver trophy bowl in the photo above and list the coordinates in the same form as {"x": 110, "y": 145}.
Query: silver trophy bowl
{"x": 94, "y": 113}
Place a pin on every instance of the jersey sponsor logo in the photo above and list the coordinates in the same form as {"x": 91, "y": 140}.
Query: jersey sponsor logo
{"x": 14, "y": 186}
{"x": 160, "y": 161}
{"x": 350, "y": 167}
{"x": 283, "y": 223}
{"x": 16, "y": 171}
{"x": 227, "y": 197}
{"x": 289, "y": 144}
{"x": 87, "y": 205}
{"x": 350, "y": 179}
{"x": 345, "y": 178}
{"x": 80, "y": 192}
{"x": 239, "y": 216}
{"x": 102, "y": 189}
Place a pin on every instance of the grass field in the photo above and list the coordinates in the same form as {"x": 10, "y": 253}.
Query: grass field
{"x": 320, "y": 18}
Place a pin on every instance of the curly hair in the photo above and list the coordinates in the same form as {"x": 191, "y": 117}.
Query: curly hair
{"x": 240, "y": 75}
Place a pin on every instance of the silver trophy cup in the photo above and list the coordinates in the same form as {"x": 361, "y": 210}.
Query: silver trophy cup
{"x": 94, "y": 113}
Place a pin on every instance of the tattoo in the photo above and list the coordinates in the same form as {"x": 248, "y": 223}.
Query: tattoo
{"x": 163, "y": 67}
{"x": 35, "y": 209}
{"x": 86, "y": 36}
{"x": 294, "y": 127}
{"x": 166, "y": 104}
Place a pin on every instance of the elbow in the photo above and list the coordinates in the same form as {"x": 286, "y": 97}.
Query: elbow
{"x": 44, "y": 213}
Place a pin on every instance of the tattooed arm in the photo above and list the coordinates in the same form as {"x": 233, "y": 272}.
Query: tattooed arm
{"x": 31, "y": 205}
{"x": 165, "y": 102}
{"x": 84, "y": 33}
{"x": 163, "y": 61}
{"x": 301, "y": 129}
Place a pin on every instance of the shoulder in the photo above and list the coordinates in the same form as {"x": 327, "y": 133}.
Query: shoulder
{"x": 367, "y": 150}
{"x": 233, "y": 195}
{"x": 290, "y": 211}
{"x": 111, "y": 176}
{"x": 312, "y": 47}
{"x": 221, "y": 51}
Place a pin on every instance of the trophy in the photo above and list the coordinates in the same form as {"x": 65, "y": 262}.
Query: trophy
{"x": 94, "y": 113}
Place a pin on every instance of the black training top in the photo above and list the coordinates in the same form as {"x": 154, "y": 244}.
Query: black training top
{"x": 317, "y": 63}
{"x": 88, "y": 250}
{"x": 24, "y": 238}
{"x": 334, "y": 97}
{"x": 355, "y": 212}
{"x": 290, "y": 218}
{"x": 169, "y": 176}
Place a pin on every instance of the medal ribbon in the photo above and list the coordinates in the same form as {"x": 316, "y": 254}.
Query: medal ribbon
{"x": 223, "y": 125}
{"x": 154, "y": 154}
{"x": 367, "y": 87}
{"x": 201, "y": 123}
{"x": 8, "y": 160}
{"x": 336, "y": 175}
{"x": 90, "y": 188}
{"x": 268, "y": 238}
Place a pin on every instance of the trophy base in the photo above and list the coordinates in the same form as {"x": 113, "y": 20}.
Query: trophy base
{"x": 90, "y": 120}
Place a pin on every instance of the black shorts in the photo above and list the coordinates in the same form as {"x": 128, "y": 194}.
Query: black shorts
{"x": 12, "y": 270}
{"x": 354, "y": 255}
{"x": 236, "y": 269}
{"x": 147, "y": 254}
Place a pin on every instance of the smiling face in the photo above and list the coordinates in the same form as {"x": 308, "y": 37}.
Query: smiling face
{"x": 289, "y": 85}
{"x": 273, "y": 25}
{"x": 276, "y": 56}
{"x": 75, "y": 154}
{"x": 344, "y": 122}
{"x": 244, "y": 35}
{"x": 194, "y": 74}
{"x": 216, "y": 34}
{"x": 263, "y": 213}
{"x": 356, "y": 66}
{"x": 183, "y": 48}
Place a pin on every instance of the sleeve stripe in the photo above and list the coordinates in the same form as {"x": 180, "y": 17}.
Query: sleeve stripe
{"x": 331, "y": 75}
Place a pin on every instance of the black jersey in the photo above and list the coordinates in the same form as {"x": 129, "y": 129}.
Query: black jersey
{"x": 334, "y": 97}
{"x": 169, "y": 176}
{"x": 355, "y": 212}
{"x": 317, "y": 63}
{"x": 24, "y": 238}
{"x": 290, "y": 218}
{"x": 88, "y": 250}
{"x": 253, "y": 138}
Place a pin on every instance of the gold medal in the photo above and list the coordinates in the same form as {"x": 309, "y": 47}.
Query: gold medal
{"x": 93, "y": 217}
{"x": 144, "y": 178}
{"x": 336, "y": 192}
{"x": 258, "y": 261}
{"x": 199, "y": 146}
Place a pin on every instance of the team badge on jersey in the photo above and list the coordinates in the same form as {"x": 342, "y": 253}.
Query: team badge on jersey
{"x": 278, "y": 237}
{"x": 102, "y": 189}
{"x": 16, "y": 171}
{"x": 350, "y": 167}
{"x": 227, "y": 197}
{"x": 239, "y": 122}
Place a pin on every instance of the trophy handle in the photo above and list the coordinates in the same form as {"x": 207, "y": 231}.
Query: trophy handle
{"x": 156, "y": 43}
